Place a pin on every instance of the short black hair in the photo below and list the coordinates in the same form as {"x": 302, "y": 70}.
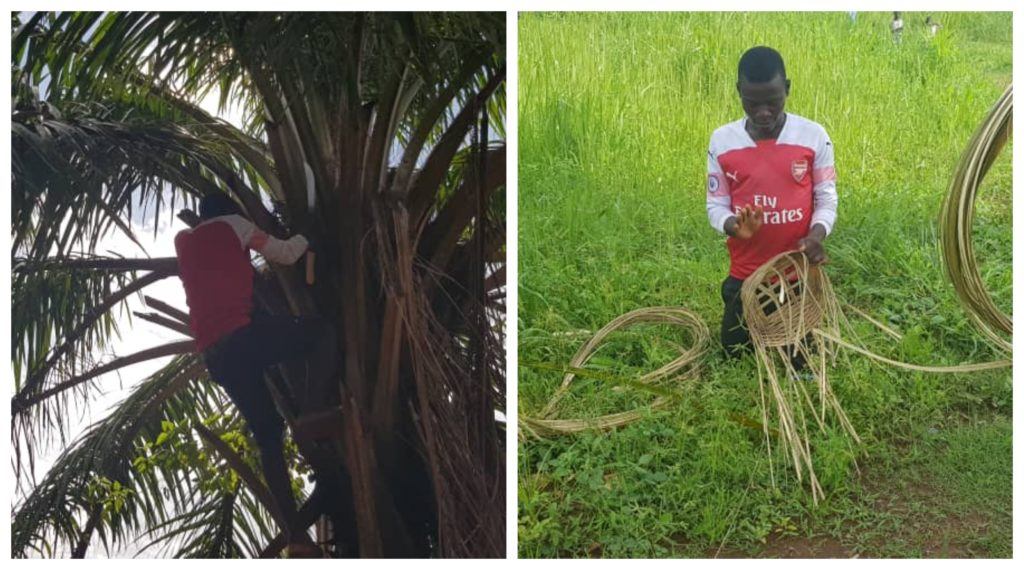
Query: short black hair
{"x": 761, "y": 64}
{"x": 217, "y": 204}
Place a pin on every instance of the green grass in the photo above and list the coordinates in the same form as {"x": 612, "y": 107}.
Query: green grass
{"x": 615, "y": 115}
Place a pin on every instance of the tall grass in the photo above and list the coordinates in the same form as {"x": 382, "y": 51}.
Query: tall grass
{"x": 615, "y": 115}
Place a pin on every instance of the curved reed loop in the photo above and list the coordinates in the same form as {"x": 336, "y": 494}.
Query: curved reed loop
{"x": 683, "y": 366}
{"x": 957, "y": 219}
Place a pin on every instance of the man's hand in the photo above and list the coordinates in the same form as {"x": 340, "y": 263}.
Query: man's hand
{"x": 812, "y": 246}
{"x": 746, "y": 223}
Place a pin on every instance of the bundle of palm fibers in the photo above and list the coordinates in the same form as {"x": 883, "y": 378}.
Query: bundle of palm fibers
{"x": 786, "y": 302}
{"x": 453, "y": 399}
{"x": 686, "y": 365}
{"x": 957, "y": 218}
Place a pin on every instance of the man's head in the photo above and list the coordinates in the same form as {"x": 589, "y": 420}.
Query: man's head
{"x": 217, "y": 204}
{"x": 763, "y": 87}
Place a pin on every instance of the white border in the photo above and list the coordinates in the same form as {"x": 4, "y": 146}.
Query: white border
{"x": 5, "y": 287}
{"x": 514, "y": 6}
{"x": 512, "y": 286}
{"x": 1018, "y": 235}
{"x": 512, "y": 219}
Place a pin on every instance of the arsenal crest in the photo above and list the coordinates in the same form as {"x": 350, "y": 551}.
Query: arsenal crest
{"x": 799, "y": 169}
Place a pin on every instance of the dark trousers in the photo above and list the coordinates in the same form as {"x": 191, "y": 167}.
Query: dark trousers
{"x": 237, "y": 363}
{"x": 734, "y": 334}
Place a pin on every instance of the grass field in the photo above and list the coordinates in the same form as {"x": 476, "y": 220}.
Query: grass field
{"x": 614, "y": 119}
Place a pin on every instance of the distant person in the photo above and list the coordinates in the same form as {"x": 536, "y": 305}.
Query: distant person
{"x": 771, "y": 184}
{"x": 932, "y": 25}
{"x": 237, "y": 345}
{"x": 897, "y": 27}
{"x": 853, "y": 17}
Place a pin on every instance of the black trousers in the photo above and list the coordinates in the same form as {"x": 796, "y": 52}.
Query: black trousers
{"x": 237, "y": 364}
{"x": 734, "y": 334}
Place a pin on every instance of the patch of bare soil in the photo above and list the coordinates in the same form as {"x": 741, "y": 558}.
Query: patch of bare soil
{"x": 929, "y": 526}
{"x": 789, "y": 546}
{"x": 919, "y": 524}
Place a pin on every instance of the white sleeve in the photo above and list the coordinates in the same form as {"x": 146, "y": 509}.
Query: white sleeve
{"x": 719, "y": 200}
{"x": 285, "y": 252}
{"x": 826, "y": 200}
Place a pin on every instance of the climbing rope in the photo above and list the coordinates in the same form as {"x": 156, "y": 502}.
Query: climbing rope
{"x": 791, "y": 312}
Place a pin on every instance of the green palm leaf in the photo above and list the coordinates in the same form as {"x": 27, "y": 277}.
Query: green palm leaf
{"x": 52, "y": 509}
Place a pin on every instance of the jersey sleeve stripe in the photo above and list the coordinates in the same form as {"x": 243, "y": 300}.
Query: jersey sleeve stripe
{"x": 258, "y": 240}
{"x": 824, "y": 174}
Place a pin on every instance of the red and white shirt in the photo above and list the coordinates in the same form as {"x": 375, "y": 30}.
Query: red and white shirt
{"x": 214, "y": 265}
{"x": 792, "y": 177}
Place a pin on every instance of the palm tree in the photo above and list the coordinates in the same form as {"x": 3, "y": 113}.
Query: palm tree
{"x": 378, "y": 135}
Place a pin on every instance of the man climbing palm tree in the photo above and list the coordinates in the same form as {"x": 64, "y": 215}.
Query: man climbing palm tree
{"x": 237, "y": 345}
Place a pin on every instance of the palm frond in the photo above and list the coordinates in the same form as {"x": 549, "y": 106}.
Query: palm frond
{"x": 23, "y": 402}
{"x": 205, "y": 530}
{"x": 82, "y": 174}
{"x": 145, "y": 449}
{"x": 60, "y": 318}
{"x": 52, "y": 510}
{"x": 54, "y": 304}
{"x": 237, "y": 464}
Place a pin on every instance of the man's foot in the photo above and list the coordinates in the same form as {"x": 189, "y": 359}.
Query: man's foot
{"x": 798, "y": 362}
{"x": 303, "y": 550}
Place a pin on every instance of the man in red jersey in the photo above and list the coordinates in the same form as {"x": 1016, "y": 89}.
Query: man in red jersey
{"x": 237, "y": 345}
{"x": 771, "y": 184}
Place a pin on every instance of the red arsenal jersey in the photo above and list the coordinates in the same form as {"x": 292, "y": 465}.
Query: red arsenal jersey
{"x": 791, "y": 177}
